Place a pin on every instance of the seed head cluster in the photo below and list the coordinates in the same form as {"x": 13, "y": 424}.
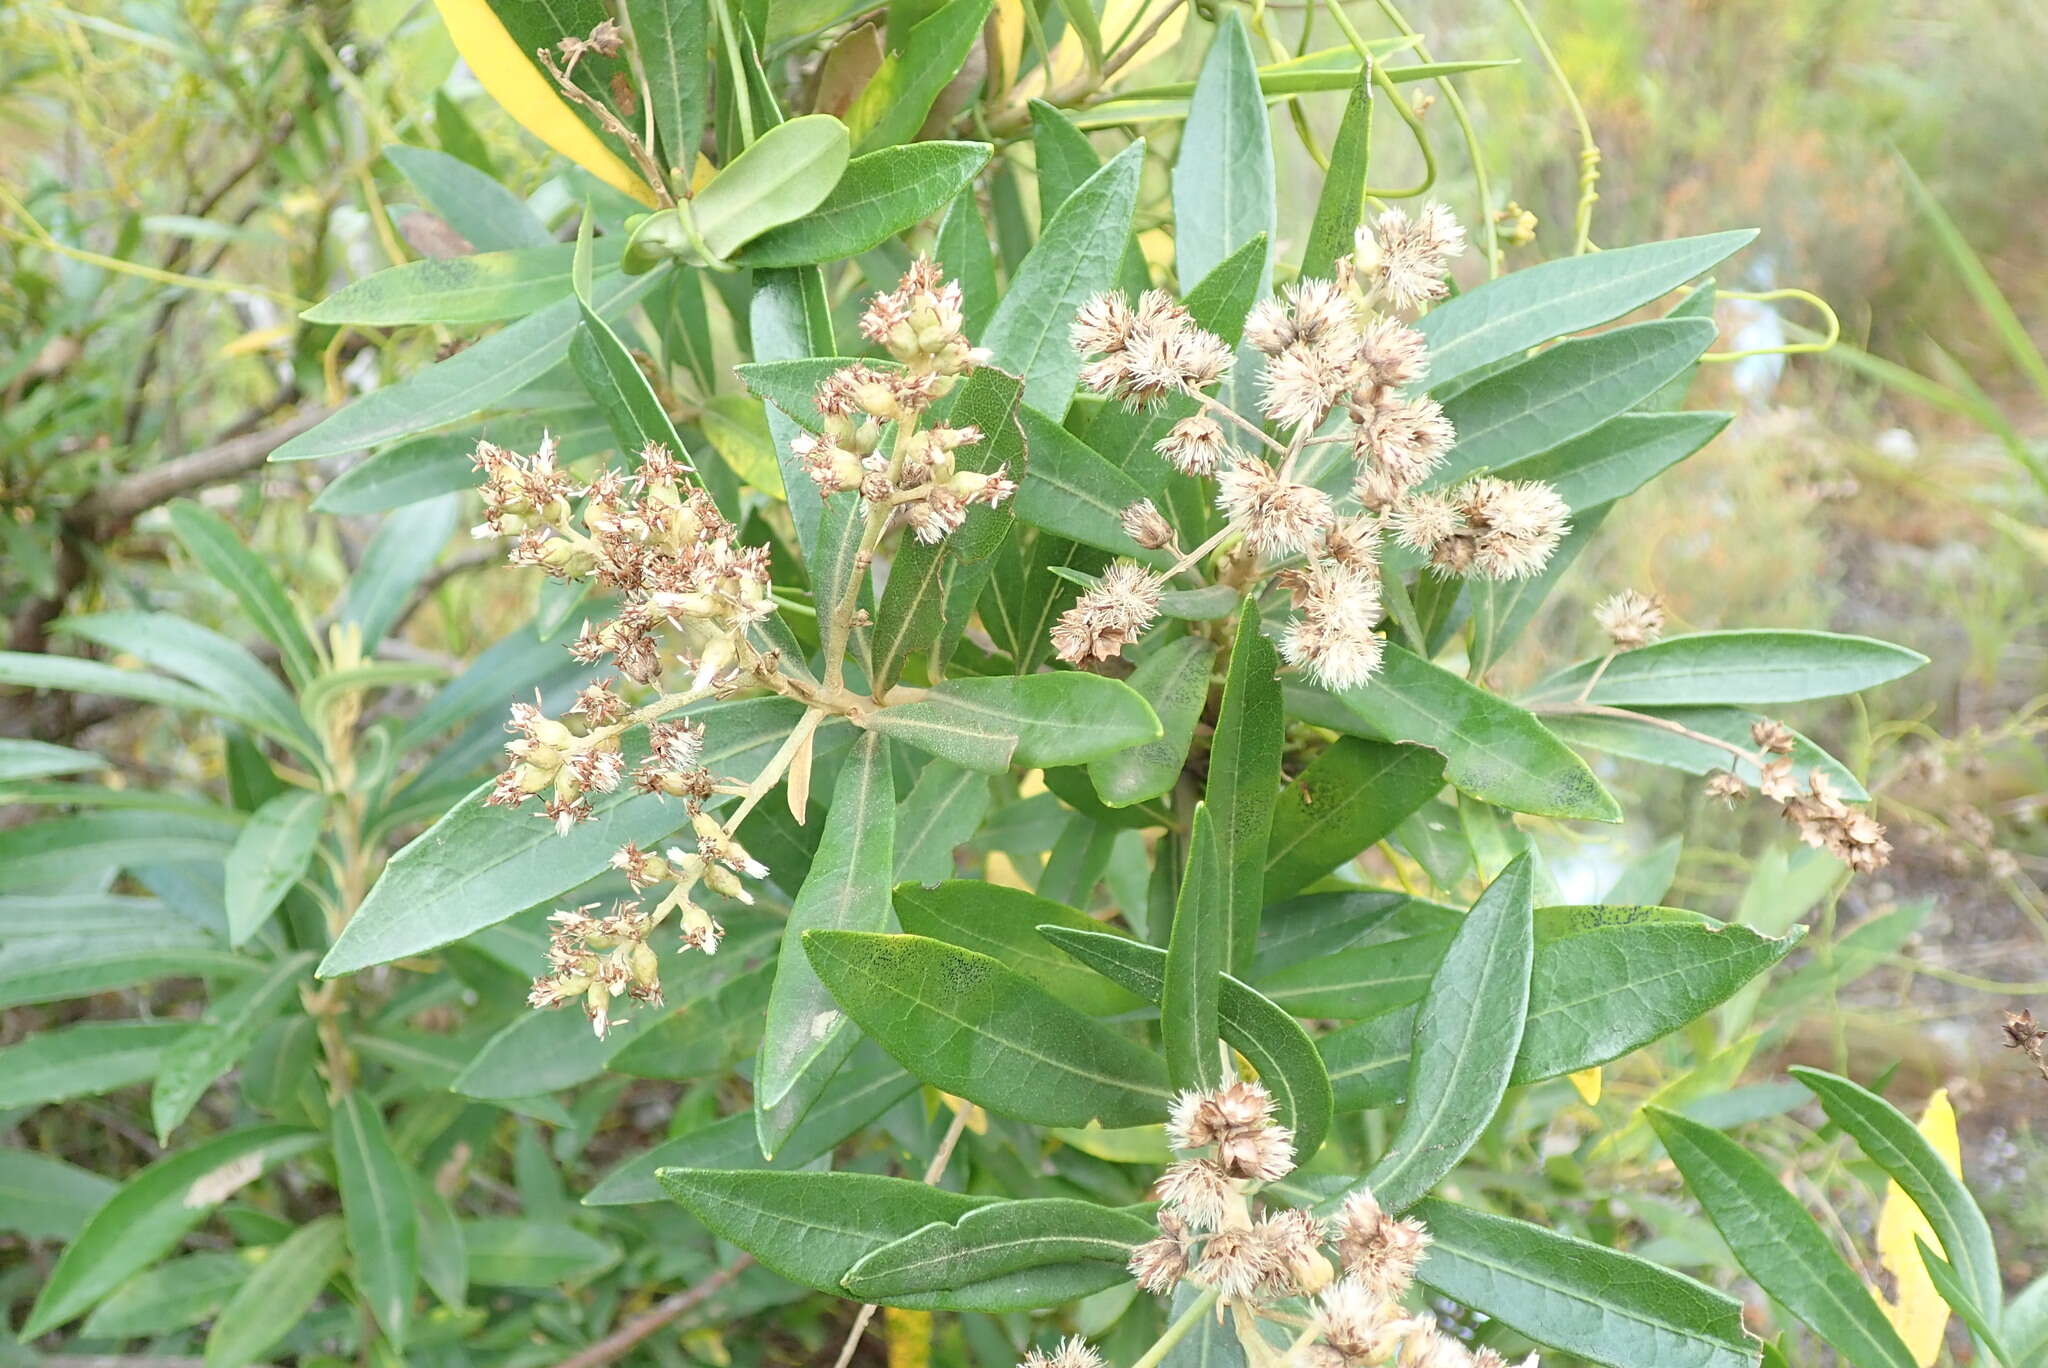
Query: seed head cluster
{"x": 1815, "y": 809}
{"x": 1328, "y": 349}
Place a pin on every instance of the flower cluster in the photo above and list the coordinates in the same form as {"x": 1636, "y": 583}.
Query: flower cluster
{"x": 1819, "y": 814}
{"x": 599, "y": 959}
{"x": 918, "y": 474}
{"x": 1328, "y": 349}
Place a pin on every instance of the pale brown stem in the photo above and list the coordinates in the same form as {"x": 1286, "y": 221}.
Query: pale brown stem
{"x": 1661, "y": 723}
{"x": 650, "y": 169}
{"x": 668, "y": 1309}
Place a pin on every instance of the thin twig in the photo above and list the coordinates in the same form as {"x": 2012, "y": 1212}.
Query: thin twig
{"x": 662, "y": 1313}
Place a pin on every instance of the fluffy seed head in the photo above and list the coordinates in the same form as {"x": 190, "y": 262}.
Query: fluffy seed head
{"x": 1198, "y": 1191}
{"x": 1071, "y": 1352}
{"x": 1195, "y": 445}
{"x": 1279, "y": 517}
{"x": 1144, "y": 524}
{"x": 1237, "y": 1263}
{"x": 1110, "y": 616}
{"x": 1333, "y": 638}
{"x": 1380, "y": 1251}
{"x": 1404, "y": 261}
{"x": 1630, "y": 619}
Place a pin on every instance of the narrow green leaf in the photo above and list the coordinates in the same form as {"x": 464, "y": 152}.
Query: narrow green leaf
{"x": 1223, "y": 175}
{"x": 151, "y": 1213}
{"x": 1071, "y": 490}
{"x": 21, "y": 758}
{"x": 992, "y": 1241}
{"x": 1466, "y": 1038}
{"x": 785, "y": 328}
{"x": 990, "y": 723}
{"x": 882, "y": 194}
{"x": 82, "y": 955}
{"x": 1581, "y": 1297}
{"x": 205, "y": 659}
{"x": 44, "y": 1198}
{"x": 270, "y": 856}
{"x": 1642, "y": 739}
{"x": 1174, "y": 678}
{"x": 483, "y": 288}
{"x": 85, "y": 1060}
{"x": 783, "y": 176}
{"x": 443, "y": 1260}
{"x": 397, "y": 559}
{"x": 1194, "y": 965}
{"x": 1618, "y": 457}
{"x": 894, "y": 103}
{"x": 219, "y": 1039}
{"x": 1348, "y": 799}
{"x": 942, "y": 812}
{"x": 488, "y": 215}
{"x": 1244, "y": 782}
{"x": 1341, "y": 205}
{"x": 806, "y": 1039}
{"x": 1064, "y": 157}
{"x": 517, "y": 1251}
{"x": 1280, "y": 1052}
{"x": 672, "y": 38}
{"x": 1737, "y": 667}
{"x": 1077, "y": 255}
{"x": 1950, "y": 1285}
{"x": 963, "y": 253}
{"x": 1506, "y": 317}
{"x": 221, "y": 553}
{"x": 1779, "y": 1244}
{"x": 969, "y": 1025}
{"x": 1492, "y": 749}
{"x": 278, "y": 1291}
{"x": 383, "y": 1233}
{"x": 1003, "y": 923}
{"x": 174, "y": 1295}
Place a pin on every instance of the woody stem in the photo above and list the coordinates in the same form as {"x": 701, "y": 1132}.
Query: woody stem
{"x": 1219, "y": 409}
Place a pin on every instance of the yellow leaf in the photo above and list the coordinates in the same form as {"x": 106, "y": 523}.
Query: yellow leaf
{"x": 513, "y": 80}
{"x": 1587, "y": 1083}
{"x": 737, "y": 428}
{"x": 977, "y": 1119}
{"x": 910, "y": 1337}
{"x": 1005, "y": 45}
{"x": 1919, "y": 1315}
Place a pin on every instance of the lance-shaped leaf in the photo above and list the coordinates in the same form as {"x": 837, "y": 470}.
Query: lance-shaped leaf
{"x": 377, "y": 1209}
{"x": 1618, "y": 457}
{"x": 789, "y": 318}
{"x": 151, "y": 1213}
{"x": 1244, "y": 782}
{"x": 1000, "y": 1238}
{"x": 1778, "y": 1244}
{"x": 1737, "y": 667}
{"x": 1506, "y": 317}
{"x": 1466, "y": 1037}
{"x": 805, "y": 1038}
{"x": 813, "y": 1227}
{"x": 1003, "y": 923}
{"x": 205, "y": 659}
{"x": 1174, "y": 679}
{"x": 1492, "y": 749}
{"x": 219, "y": 1039}
{"x": 1584, "y": 1298}
{"x": 1349, "y": 798}
{"x": 276, "y": 1293}
{"x": 1223, "y": 176}
{"x": 479, "y": 864}
{"x": 1195, "y": 964}
{"x": 488, "y": 215}
{"x": 942, "y": 812}
{"x": 1640, "y": 738}
{"x": 990, "y": 723}
{"x": 880, "y": 195}
{"x": 175, "y": 1294}
{"x": 1279, "y": 1050}
{"x": 221, "y": 553}
{"x": 969, "y": 1025}
{"x": 1077, "y": 493}
{"x": 1896, "y": 1145}
{"x": 1077, "y": 255}
{"x": 671, "y": 37}
{"x": 66, "y": 952}
{"x": 85, "y": 1060}
{"x": 895, "y": 101}
{"x": 466, "y": 289}
{"x": 270, "y": 856}
{"x": 1341, "y": 204}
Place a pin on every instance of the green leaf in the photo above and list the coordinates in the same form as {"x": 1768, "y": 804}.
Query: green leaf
{"x": 787, "y": 320}
{"x": 466, "y": 383}
{"x": 1350, "y": 797}
{"x": 270, "y": 856}
{"x": 1175, "y": 679}
{"x": 1064, "y": 157}
{"x": 444, "y": 1262}
{"x": 1466, "y": 1037}
{"x": 1071, "y": 490}
{"x": 220, "y": 551}
{"x": 969, "y": 1025}
{"x": 941, "y": 814}
{"x": 1080, "y": 17}
{"x": 491, "y": 217}
{"x": 1003, "y": 923}
{"x": 882, "y": 194}
{"x": 43, "y": 1198}
{"x": 152, "y": 1212}
{"x": 23, "y": 669}
{"x": 672, "y": 38}
{"x": 1950, "y": 1285}
{"x": 1737, "y": 667}
{"x": 440, "y": 463}
{"x": 784, "y": 175}
{"x": 219, "y": 1039}
{"x": 894, "y": 103}
{"x": 81, "y": 957}
{"x": 466, "y": 289}
{"x": 1280, "y": 1052}
{"x": 1618, "y": 457}
{"x": 1896, "y": 1145}
{"x": 277, "y": 1292}
{"x": 479, "y": 864}
{"x": 1364, "y": 981}
{"x": 85, "y": 1060}
{"x": 518, "y": 1251}
{"x": 1574, "y": 1295}
{"x": 376, "y": 1204}
{"x": 805, "y": 1038}
{"x": 1778, "y": 1244}
{"x": 1642, "y": 739}
{"x": 1341, "y": 205}
{"x": 1506, "y": 317}
{"x": 990, "y": 723}
{"x": 987, "y": 1242}
{"x": 1244, "y": 781}
{"x": 963, "y": 253}
{"x": 1223, "y": 175}
{"x": 394, "y": 563}
{"x": 1566, "y": 391}
{"x": 1492, "y": 749}
{"x": 224, "y": 669}
{"x": 25, "y": 759}
{"x": 1078, "y": 255}
{"x": 172, "y": 1296}
{"x": 1195, "y": 965}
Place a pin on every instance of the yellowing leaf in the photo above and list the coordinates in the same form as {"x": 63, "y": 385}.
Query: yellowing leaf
{"x": 1006, "y": 45}
{"x": 910, "y": 1337}
{"x": 513, "y": 80}
{"x": 1070, "y": 55}
{"x": 1586, "y": 1082}
{"x": 737, "y": 428}
{"x": 1919, "y": 1315}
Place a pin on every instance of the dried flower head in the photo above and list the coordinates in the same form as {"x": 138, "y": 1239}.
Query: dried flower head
{"x": 1148, "y": 353}
{"x": 1160, "y": 1264}
{"x": 1724, "y": 785}
{"x": 1238, "y": 1264}
{"x": 1403, "y": 439}
{"x": 1296, "y": 1239}
{"x": 1110, "y": 616}
{"x": 1279, "y": 517}
{"x": 1334, "y": 636}
{"x": 1144, "y": 524}
{"x": 1630, "y": 619}
{"x": 1775, "y": 737}
{"x": 1313, "y": 314}
{"x": 1198, "y": 1191}
{"x": 1195, "y": 445}
{"x": 1071, "y": 1352}
{"x": 1379, "y": 1250}
{"x": 1405, "y": 261}
{"x": 2030, "y": 1040}
{"x": 1357, "y": 1326}
{"x": 1502, "y": 529}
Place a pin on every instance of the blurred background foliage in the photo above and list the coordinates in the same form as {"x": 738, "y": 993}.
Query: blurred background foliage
{"x": 178, "y": 178}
